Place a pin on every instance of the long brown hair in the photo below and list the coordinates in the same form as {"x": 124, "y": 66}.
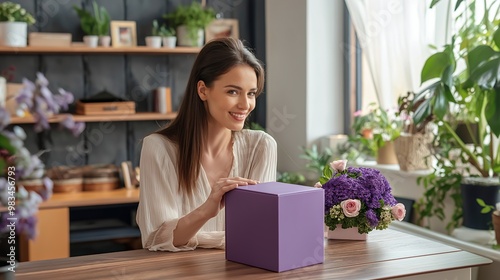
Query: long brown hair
{"x": 189, "y": 128}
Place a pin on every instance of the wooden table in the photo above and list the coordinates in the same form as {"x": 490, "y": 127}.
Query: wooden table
{"x": 385, "y": 254}
{"x": 53, "y": 238}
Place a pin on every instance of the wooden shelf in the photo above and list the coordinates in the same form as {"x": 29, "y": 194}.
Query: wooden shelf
{"x": 101, "y": 118}
{"x": 98, "y": 50}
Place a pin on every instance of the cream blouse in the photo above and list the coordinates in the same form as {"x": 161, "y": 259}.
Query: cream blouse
{"x": 161, "y": 205}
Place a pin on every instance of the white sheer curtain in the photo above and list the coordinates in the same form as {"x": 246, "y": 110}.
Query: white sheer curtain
{"x": 394, "y": 36}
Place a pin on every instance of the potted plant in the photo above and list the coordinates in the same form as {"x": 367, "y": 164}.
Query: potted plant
{"x": 95, "y": 25}
{"x": 154, "y": 41}
{"x": 190, "y": 22}
{"x": 374, "y": 134}
{"x": 469, "y": 95}
{"x": 168, "y": 36}
{"x": 14, "y": 21}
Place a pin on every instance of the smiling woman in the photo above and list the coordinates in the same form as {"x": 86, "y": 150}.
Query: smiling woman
{"x": 188, "y": 166}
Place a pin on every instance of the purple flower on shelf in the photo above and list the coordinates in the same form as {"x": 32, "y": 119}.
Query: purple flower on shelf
{"x": 358, "y": 197}
{"x": 18, "y": 164}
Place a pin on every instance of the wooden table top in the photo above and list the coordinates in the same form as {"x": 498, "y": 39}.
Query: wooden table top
{"x": 385, "y": 254}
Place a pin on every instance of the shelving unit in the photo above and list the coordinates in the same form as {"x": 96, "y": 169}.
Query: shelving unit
{"x": 98, "y": 50}
{"x": 145, "y": 116}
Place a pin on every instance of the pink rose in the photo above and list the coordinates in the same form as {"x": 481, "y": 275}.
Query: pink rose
{"x": 398, "y": 211}
{"x": 318, "y": 185}
{"x": 339, "y": 165}
{"x": 351, "y": 207}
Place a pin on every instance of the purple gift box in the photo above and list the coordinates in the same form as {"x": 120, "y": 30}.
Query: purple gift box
{"x": 275, "y": 226}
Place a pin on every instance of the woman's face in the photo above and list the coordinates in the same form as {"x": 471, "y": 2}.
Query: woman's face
{"x": 231, "y": 97}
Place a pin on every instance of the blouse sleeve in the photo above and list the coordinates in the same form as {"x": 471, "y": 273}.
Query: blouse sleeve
{"x": 159, "y": 210}
{"x": 264, "y": 161}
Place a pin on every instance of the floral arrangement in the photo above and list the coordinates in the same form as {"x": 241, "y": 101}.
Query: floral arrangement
{"x": 358, "y": 197}
{"x": 15, "y": 13}
{"x": 16, "y": 162}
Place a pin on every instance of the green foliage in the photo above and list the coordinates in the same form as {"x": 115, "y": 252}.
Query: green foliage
{"x": 15, "y": 13}
{"x": 486, "y": 208}
{"x": 291, "y": 178}
{"x": 193, "y": 16}
{"x": 95, "y": 23}
{"x": 166, "y": 31}
{"x": 316, "y": 160}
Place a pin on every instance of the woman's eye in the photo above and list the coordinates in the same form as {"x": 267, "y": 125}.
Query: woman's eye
{"x": 232, "y": 92}
{"x": 252, "y": 93}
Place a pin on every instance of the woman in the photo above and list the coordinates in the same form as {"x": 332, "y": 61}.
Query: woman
{"x": 187, "y": 167}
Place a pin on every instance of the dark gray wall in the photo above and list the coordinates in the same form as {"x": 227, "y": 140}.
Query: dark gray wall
{"x": 129, "y": 76}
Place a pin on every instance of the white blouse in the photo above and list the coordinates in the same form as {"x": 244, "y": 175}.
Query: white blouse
{"x": 161, "y": 204}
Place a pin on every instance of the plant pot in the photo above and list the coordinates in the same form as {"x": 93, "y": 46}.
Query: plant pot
{"x": 13, "y": 34}
{"x": 91, "y": 40}
{"x": 184, "y": 39}
{"x": 153, "y": 41}
{"x": 472, "y": 188}
{"x": 105, "y": 41}
{"x": 495, "y": 217}
{"x": 100, "y": 184}
{"x": 386, "y": 154}
{"x": 413, "y": 151}
{"x": 169, "y": 42}
{"x": 345, "y": 233}
{"x": 68, "y": 185}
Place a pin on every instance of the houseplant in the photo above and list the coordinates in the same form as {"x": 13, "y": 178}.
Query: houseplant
{"x": 14, "y": 21}
{"x": 374, "y": 133}
{"x": 168, "y": 36}
{"x": 358, "y": 198}
{"x": 190, "y": 22}
{"x": 154, "y": 41}
{"x": 466, "y": 94}
{"x": 94, "y": 24}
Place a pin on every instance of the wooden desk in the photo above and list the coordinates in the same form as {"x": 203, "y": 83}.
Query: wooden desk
{"x": 386, "y": 254}
{"x": 53, "y": 238}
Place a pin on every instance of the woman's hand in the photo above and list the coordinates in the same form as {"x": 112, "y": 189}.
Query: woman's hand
{"x": 215, "y": 201}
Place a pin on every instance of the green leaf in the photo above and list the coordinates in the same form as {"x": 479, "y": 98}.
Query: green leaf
{"x": 422, "y": 112}
{"x": 492, "y": 111}
{"x": 434, "y": 2}
{"x": 496, "y": 37}
{"x": 480, "y": 202}
{"x": 485, "y": 75}
{"x": 434, "y": 66}
{"x": 440, "y": 103}
{"x": 479, "y": 55}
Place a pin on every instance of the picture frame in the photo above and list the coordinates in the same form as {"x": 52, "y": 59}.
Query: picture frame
{"x": 123, "y": 33}
{"x": 220, "y": 28}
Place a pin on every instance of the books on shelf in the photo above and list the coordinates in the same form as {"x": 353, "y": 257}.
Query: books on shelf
{"x": 163, "y": 100}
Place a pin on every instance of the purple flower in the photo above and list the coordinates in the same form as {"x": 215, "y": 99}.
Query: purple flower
{"x": 367, "y": 185}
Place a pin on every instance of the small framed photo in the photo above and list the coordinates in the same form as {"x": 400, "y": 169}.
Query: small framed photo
{"x": 123, "y": 34}
{"x": 220, "y": 28}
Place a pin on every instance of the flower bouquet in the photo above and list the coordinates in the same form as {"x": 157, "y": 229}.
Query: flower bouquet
{"x": 358, "y": 197}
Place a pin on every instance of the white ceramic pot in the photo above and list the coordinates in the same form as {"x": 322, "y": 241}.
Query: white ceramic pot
{"x": 169, "y": 42}
{"x": 184, "y": 40}
{"x": 153, "y": 41}
{"x": 91, "y": 40}
{"x": 13, "y": 34}
{"x": 105, "y": 41}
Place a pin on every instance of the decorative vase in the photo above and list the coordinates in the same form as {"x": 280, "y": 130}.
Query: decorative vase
{"x": 105, "y": 41}
{"x": 386, "y": 154}
{"x": 472, "y": 188}
{"x": 345, "y": 233}
{"x": 91, "y": 40}
{"x": 169, "y": 42}
{"x": 185, "y": 40}
{"x": 495, "y": 217}
{"x": 413, "y": 151}
{"x": 13, "y": 34}
{"x": 153, "y": 41}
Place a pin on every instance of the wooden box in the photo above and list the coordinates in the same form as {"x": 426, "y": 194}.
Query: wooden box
{"x": 44, "y": 39}
{"x": 105, "y": 108}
